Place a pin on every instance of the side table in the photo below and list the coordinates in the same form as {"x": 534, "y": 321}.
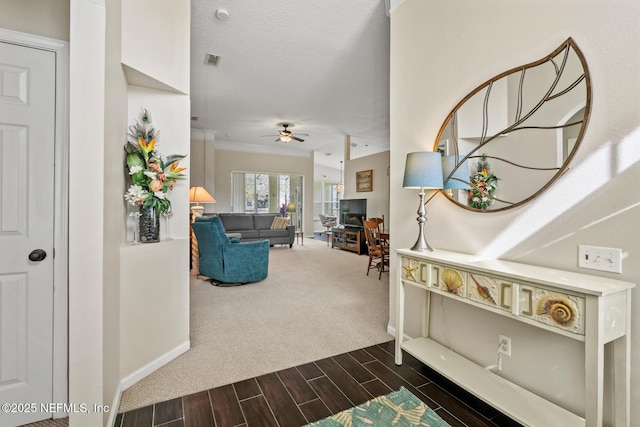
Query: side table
{"x": 300, "y": 233}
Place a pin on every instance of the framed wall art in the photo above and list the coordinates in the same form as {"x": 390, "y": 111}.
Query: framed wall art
{"x": 364, "y": 181}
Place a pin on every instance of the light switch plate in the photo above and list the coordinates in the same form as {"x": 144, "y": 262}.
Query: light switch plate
{"x": 599, "y": 258}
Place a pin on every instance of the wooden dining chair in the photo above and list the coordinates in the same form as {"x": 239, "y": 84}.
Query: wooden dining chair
{"x": 379, "y": 223}
{"x": 381, "y": 235}
{"x": 377, "y": 248}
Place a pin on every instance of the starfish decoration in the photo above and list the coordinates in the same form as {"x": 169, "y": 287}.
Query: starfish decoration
{"x": 409, "y": 270}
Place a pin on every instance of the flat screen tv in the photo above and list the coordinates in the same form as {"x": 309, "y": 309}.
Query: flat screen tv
{"x": 353, "y": 212}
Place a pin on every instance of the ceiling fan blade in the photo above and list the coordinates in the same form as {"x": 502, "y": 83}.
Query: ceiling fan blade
{"x": 296, "y": 138}
{"x": 277, "y": 139}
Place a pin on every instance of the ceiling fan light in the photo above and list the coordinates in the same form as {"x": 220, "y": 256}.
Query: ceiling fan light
{"x": 285, "y": 138}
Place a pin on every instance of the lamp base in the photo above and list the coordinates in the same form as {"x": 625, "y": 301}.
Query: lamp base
{"x": 196, "y": 212}
{"x": 421, "y": 244}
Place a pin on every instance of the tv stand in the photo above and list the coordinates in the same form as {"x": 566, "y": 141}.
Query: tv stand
{"x": 349, "y": 239}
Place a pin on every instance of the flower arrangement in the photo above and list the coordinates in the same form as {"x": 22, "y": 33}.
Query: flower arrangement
{"x": 152, "y": 174}
{"x": 483, "y": 185}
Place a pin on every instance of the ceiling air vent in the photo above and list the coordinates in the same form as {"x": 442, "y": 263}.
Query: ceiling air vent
{"x": 211, "y": 59}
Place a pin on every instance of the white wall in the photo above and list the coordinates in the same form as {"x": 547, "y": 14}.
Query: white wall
{"x": 326, "y": 174}
{"x": 154, "y": 307}
{"x": 49, "y": 18}
{"x": 440, "y": 51}
{"x": 156, "y": 40}
{"x": 378, "y": 199}
{"x": 87, "y": 209}
{"x": 115, "y": 122}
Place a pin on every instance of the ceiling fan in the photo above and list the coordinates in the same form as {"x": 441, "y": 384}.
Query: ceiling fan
{"x": 285, "y": 135}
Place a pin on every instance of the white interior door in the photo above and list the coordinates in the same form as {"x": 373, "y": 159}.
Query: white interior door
{"x": 27, "y": 131}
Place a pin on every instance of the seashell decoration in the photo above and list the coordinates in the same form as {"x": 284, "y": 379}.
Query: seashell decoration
{"x": 483, "y": 291}
{"x": 452, "y": 280}
{"x": 559, "y": 308}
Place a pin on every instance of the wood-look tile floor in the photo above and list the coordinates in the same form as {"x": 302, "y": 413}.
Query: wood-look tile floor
{"x": 303, "y": 394}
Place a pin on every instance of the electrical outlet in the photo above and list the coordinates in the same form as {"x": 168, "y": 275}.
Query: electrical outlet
{"x": 504, "y": 345}
{"x": 598, "y": 258}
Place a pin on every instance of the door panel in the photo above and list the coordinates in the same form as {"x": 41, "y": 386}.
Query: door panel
{"x": 13, "y": 323}
{"x": 27, "y": 131}
{"x": 13, "y": 160}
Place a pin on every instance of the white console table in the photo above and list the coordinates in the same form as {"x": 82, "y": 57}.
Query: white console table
{"x": 590, "y": 309}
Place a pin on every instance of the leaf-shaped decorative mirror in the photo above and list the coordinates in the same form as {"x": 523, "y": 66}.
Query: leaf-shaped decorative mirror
{"x": 510, "y": 138}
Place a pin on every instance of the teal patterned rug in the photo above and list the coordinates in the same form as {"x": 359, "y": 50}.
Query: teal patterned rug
{"x": 399, "y": 408}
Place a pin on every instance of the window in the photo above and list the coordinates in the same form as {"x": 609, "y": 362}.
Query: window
{"x": 325, "y": 199}
{"x": 258, "y": 192}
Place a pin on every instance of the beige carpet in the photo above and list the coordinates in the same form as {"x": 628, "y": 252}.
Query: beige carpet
{"x": 316, "y": 302}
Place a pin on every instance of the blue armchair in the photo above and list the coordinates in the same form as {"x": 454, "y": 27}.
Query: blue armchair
{"x": 225, "y": 261}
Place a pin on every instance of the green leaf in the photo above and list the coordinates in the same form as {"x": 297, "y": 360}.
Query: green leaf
{"x": 139, "y": 179}
{"x": 171, "y": 159}
{"x": 134, "y": 159}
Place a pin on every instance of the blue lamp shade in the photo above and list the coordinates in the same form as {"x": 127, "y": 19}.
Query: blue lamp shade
{"x": 460, "y": 178}
{"x": 423, "y": 170}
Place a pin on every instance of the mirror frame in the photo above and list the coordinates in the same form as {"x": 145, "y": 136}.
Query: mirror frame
{"x": 567, "y": 45}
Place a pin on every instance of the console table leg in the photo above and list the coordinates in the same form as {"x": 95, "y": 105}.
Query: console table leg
{"x": 594, "y": 364}
{"x": 622, "y": 381}
{"x": 622, "y": 373}
{"x": 399, "y": 320}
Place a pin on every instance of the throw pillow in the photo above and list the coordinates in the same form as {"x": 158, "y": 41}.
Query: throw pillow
{"x": 275, "y": 222}
{"x": 286, "y": 223}
{"x": 279, "y": 223}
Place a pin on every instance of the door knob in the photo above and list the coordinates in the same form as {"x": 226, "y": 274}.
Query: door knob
{"x": 37, "y": 255}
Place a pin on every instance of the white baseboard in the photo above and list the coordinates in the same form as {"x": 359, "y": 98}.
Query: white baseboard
{"x": 140, "y": 374}
{"x": 136, "y": 376}
{"x": 392, "y": 331}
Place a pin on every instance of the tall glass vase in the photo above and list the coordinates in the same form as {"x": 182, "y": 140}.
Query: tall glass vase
{"x": 132, "y": 227}
{"x": 167, "y": 232}
{"x": 149, "y": 225}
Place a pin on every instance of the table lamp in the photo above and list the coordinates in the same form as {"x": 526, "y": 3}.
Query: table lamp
{"x": 199, "y": 195}
{"x": 460, "y": 178}
{"x": 423, "y": 170}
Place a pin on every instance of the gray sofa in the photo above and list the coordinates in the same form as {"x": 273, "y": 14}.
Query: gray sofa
{"x": 257, "y": 227}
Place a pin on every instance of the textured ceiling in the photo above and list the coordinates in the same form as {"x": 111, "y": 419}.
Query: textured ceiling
{"x": 321, "y": 65}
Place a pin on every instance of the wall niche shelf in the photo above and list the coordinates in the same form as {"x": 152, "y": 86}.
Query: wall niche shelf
{"x": 590, "y": 309}
{"x": 138, "y": 78}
